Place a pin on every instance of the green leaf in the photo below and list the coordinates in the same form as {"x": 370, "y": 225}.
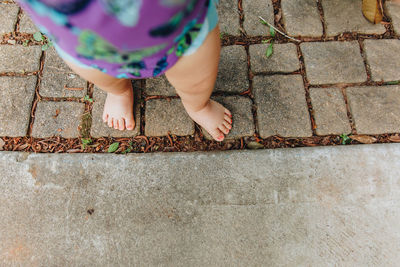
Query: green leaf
{"x": 270, "y": 50}
{"x": 265, "y": 41}
{"x": 345, "y": 139}
{"x": 45, "y": 47}
{"x": 113, "y": 147}
{"x": 392, "y": 83}
{"x": 86, "y": 142}
{"x": 87, "y": 98}
{"x": 25, "y": 43}
{"x": 38, "y": 36}
{"x": 272, "y": 32}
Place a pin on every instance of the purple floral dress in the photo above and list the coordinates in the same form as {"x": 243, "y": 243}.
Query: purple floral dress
{"x": 123, "y": 38}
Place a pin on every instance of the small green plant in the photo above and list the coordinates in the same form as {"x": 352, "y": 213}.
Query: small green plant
{"x": 25, "y": 43}
{"x": 113, "y": 147}
{"x": 392, "y": 83}
{"x": 129, "y": 149}
{"x": 345, "y": 139}
{"x": 270, "y": 48}
{"x": 87, "y": 98}
{"x": 47, "y": 45}
{"x": 38, "y": 36}
{"x": 86, "y": 142}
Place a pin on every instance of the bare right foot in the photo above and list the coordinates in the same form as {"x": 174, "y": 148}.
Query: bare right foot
{"x": 118, "y": 110}
{"x": 214, "y": 118}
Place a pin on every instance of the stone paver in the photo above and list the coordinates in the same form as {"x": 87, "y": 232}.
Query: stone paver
{"x": 159, "y": 86}
{"x": 242, "y": 116}
{"x": 383, "y": 57}
{"x": 333, "y": 62}
{"x": 57, "y": 75}
{"x": 301, "y": 17}
{"x": 283, "y": 59}
{"x": 394, "y": 13}
{"x": 16, "y": 96}
{"x": 329, "y": 111}
{"x": 163, "y": 116}
{"x": 228, "y": 14}
{"x": 26, "y": 25}
{"x": 254, "y": 8}
{"x": 17, "y": 58}
{"x": 281, "y": 106}
{"x": 99, "y": 128}
{"x": 8, "y": 17}
{"x": 346, "y": 16}
{"x": 57, "y": 119}
{"x": 375, "y": 109}
{"x": 232, "y": 71}
{"x": 319, "y": 206}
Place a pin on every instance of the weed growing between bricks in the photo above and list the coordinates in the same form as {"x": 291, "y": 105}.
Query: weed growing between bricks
{"x": 197, "y": 142}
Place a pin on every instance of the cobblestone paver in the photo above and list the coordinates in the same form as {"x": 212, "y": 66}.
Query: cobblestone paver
{"x": 283, "y": 59}
{"x": 232, "y": 72}
{"x": 375, "y": 109}
{"x": 346, "y": 16}
{"x": 252, "y": 10}
{"x": 343, "y": 76}
{"x": 229, "y": 16}
{"x": 58, "y": 77}
{"x": 167, "y": 116}
{"x": 301, "y": 17}
{"x": 8, "y": 17}
{"x": 16, "y": 95}
{"x": 329, "y": 111}
{"x": 333, "y": 62}
{"x": 384, "y": 62}
{"x": 57, "y": 119}
{"x": 281, "y": 106}
{"x": 99, "y": 128}
{"x": 19, "y": 59}
{"x": 394, "y": 12}
{"x": 26, "y": 25}
{"x": 159, "y": 86}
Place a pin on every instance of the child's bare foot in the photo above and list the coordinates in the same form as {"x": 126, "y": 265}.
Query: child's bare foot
{"x": 214, "y": 118}
{"x": 118, "y": 110}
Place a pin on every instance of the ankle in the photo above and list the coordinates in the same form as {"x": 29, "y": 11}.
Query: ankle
{"x": 195, "y": 107}
{"x": 121, "y": 87}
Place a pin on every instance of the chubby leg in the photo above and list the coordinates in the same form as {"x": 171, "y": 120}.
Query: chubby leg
{"x": 193, "y": 77}
{"x": 118, "y": 108}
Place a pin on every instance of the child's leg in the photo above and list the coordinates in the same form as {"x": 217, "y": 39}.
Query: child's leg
{"x": 118, "y": 108}
{"x": 194, "y": 77}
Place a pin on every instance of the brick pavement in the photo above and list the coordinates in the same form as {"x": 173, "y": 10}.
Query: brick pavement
{"x": 340, "y": 78}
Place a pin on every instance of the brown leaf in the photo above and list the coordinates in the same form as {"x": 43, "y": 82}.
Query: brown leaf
{"x": 365, "y": 139}
{"x": 372, "y": 10}
{"x": 395, "y": 138}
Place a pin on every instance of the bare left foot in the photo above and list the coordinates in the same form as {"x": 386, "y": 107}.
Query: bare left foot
{"x": 214, "y": 118}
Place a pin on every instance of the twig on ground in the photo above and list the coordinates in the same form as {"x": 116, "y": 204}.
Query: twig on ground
{"x": 263, "y": 20}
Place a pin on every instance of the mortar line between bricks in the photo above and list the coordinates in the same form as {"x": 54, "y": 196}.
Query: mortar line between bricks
{"x": 241, "y": 18}
{"x": 322, "y": 18}
{"x": 87, "y": 120}
{"x": 306, "y": 85}
{"x": 16, "y": 74}
{"x": 364, "y": 57}
{"x": 277, "y": 6}
{"x": 19, "y": 15}
{"x": 142, "y": 106}
{"x": 250, "y": 93}
{"x": 348, "y": 111}
{"x": 36, "y": 97}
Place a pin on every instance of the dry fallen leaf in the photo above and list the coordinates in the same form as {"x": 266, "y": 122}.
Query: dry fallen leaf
{"x": 372, "y": 10}
{"x": 395, "y": 138}
{"x": 365, "y": 139}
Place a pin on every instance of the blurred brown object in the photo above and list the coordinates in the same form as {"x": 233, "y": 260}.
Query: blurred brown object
{"x": 373, "y": 10}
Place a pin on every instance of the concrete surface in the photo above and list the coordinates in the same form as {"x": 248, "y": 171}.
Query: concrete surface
{"x": 327, "y": 206}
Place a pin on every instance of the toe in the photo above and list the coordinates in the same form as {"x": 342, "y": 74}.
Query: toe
{"x": 105, "y": 117}
{"x": 115, "y": 124}
{"x": 227, "y": 125}
{"x": 227, "y": 112}
{"x": 217, "y": 135}
{"x": 130, "y": 123}
{"x": 223, "y": 129}
{"x": 110, "y": 122}
{"x": 227, "y": 119}
{"x": 121, "y": 124}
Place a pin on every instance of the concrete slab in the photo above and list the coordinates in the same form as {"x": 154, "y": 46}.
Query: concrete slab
{"x": 285, "y": 207}
{"x": 8, "y": 17}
